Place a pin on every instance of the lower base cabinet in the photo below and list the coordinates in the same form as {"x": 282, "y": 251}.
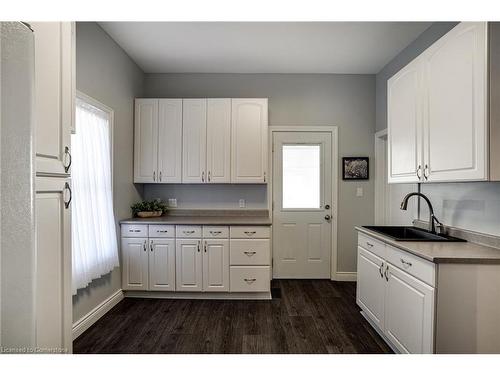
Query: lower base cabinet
{"x": 216, "y": 265}
{"x": 135, "y": 263}
{"x": 188, "y": 260}
{"x": 162, "y": 264}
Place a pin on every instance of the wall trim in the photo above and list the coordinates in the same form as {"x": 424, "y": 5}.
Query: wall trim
{"x": 86, "y": 321}
{"x": 198, "y": 295}
{"x": 345, "y": 276}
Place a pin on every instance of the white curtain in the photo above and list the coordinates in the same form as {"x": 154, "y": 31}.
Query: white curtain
{"x": 95, "y": 251}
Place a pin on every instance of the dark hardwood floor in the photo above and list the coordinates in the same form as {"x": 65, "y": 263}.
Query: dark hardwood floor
{"x": 304, "y": 316}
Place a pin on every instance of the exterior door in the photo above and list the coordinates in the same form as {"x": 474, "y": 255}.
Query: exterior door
{"x": 53, "y": 263}
{"x": 218, "y": 140}
{"x": 135, "y": 263}
{"x": 194, "y": 140}
{"x": 161, "y": 264}
{"x": 302, "y": 193}
{"x": 409, "y": 318}
{"x": 146, "y": 140}
{"x": 216, "y": 265}
{"x": 370, "y": 290}
{"x": 169, "y": 140}
{"x": 188, "y": 270}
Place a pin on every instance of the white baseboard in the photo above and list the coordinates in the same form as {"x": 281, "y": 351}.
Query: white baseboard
{"x": 84, "y": 323}
{"x": 198, "y": 295}
{"x": 345, "y": 276}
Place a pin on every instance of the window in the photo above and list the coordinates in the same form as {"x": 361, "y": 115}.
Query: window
{"x": 94, "y": 244}
{"x": 301, "y": 176}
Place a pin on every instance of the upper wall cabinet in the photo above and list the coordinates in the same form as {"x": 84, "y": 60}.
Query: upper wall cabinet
{"x": 54, "y": 96}
{"x": 437, "y": 111}
{"x": 249, "y": 141}
{"x": 158, "y": 140}
{"x": 200, "y": 141}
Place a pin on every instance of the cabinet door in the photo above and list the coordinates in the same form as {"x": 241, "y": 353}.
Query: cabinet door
{"x": 194, "y": 140}
{"x": 162, "y": 264}
{"x": 249, "y": 140}
{"x": 169, "y": 141}
{"x": 404, "y": 125}
{"x": 135, "y": 263}
{"x": 188, "y": 261}
{"x": 409, "y": 313}
{"x": 54, "y": 97}
{"x": 456, "y": 98}
{"x": 216, "y": 265}
{"x": 146, "y": 140}
{"x": 218, "y": 140}
{"x": 53, "y": 264}
{"x": 371, "y": 286}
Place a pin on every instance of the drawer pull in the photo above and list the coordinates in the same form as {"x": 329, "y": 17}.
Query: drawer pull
{"x": 405, "y": 263}
{"x": 369, "y": 244}
{"x": 250, "y": 233}
{"x": 216, "y": 232}
{"x": 249, "y": 253}
{"x": 380, "y": 270}
{"x": 386, "y": 273}
{"x": 162, "y": 231}
{"x": 134, "y": 230}
{"x": 250, "y": 281}
{"x": 188, "y": 231}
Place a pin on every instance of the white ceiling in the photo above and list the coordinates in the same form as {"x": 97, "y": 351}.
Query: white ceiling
{"x": 263, "y": 47}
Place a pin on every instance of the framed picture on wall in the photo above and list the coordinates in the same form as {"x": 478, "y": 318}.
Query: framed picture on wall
{"x": 355, "y": 168}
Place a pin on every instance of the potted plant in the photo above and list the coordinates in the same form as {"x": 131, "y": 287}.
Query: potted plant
{"x": 152, "y": 208}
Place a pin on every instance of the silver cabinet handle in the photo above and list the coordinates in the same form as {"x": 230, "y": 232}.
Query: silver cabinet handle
{"x": 386, "y": 273}
{"x": 369, "y": 244}
{"x": 205, "y": 247}
{"x": 250, "y": 233}
{"x": 264, "y": 176}
{"x": 66, "y": 152}
{"x": 144, "y": 245}
{"x": 151, "y": 245}
{"x": 406, "y": 264}
{"x": 249, "y": 253}
{"x": 419, "y": 172}
{"x": 198, "y": 246}
{"x": 249, "y": 281}
{"x": 162, "y": 231}
{"x": 203, "y": 176}
{"x": 68, "y": 188}
{"x": 160, "y": 176}
{"x": 426, "y": 172}
{"x": 188, "y": 231}
{"x": 380, "y": 270}
{"x": 154, "y": 175}
{"x": 209, "y": 177}
{"x": 216, "y": 232}
{"x": 134, "y": 230}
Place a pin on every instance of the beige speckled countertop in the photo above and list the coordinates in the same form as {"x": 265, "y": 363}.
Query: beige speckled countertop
{"x": 443, "y": 252}
{"x": 201, "y": 220}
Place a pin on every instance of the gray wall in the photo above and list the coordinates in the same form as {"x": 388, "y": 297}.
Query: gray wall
{"x": 469, "y": 205}
{"x": 346, "y": 101}
{"x": 106, "y": 73}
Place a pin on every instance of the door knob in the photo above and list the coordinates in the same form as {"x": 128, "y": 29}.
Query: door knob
{"x": 328, "y": 217}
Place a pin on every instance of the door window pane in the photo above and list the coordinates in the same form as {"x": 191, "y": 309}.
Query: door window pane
{"x": 301, "y": 176}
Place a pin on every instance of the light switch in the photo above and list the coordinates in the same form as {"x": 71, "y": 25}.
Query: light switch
{"x": 172, "y": 202}
{"x": 242, "y": 203}
{"x": 359, "y": 191}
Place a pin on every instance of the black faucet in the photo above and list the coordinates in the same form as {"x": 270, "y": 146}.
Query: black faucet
{"x": 432, "y": 218}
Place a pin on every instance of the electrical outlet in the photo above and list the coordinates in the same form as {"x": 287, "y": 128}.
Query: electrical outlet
{"x": 242, "y": 203}
{"x": 359, "y": 191}
{"x": 172, "y": 202}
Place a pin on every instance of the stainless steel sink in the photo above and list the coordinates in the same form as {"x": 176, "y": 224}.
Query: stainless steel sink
{"x": 401, "y": 233}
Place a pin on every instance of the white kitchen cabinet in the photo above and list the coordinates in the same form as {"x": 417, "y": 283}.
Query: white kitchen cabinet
{"x": 249, "y": 141}
{"x": 146, "y": 140}
{"x": 218, "y": 140}
{"x": 437, "y": 111}
{"x": 404, "y": 120}
{"x": 188, "y": 260}
{"x": 161, "y": 264}
{"x": 169, "y": 141}
{"x": 370, "y": 293}
{"x": 53, "y": 317}
{"x": 54, "y": 96}
{"x": 408, "y": 312}
{"x": 194, "y": 135}
{"x": 135, "y": 263}
{"x": 456, "y": 119}
{"x": 216, "y": 265}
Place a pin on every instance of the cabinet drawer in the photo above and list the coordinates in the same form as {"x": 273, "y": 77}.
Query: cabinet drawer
{"x": 162, "y": 231}
{"x": 250, "y": 232}
{"x": 215, "y": 232}
{"x": 368, "y": 243}
{"x": 250, "y": 252}
{"x": 250, "y": 279}
{"x": 134, "y": 230}
{"x": 188, "y": 231}
{"x": 415, "y": 266}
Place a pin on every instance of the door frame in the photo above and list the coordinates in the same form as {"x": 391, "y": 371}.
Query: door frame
{"x": 333, "y": 130}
